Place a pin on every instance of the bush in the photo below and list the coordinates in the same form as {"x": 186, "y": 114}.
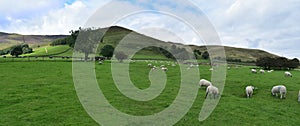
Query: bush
{"x": 107, "y": 51}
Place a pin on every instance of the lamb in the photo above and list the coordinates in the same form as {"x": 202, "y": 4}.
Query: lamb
{"x": 249, "y": 91}
{"x": 262, "y": 71}
{"x": 149, "y": 65}
{"x": 204, "y": 82}
{"x": 253, "y": 71}
{"x": 279, "y": 89}
{"x": 288, "y": 74}
{"x": 212, "y": 90}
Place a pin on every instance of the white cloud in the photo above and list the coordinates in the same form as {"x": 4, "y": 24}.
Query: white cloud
{"x": 272, "y": 25}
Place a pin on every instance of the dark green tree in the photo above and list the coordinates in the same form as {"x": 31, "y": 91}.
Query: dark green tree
{"x": 294, "y": 63}
{"x": 107, "y": 51}
{"x": 205, "y": 55}
{"x": 16, "y": 51}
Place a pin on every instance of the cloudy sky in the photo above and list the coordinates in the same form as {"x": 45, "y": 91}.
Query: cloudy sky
{"x": 271, "y": 25}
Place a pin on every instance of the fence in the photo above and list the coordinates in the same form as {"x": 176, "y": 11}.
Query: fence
{"x": 46, "y": 59}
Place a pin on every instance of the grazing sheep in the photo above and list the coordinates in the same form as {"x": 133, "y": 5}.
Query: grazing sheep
{"x": 262, "y": 71}
{"x": 288, "y": 74}
{"x": 204, "y": 82}
{"x": 299, "y": 96}
{"x": 100, "y": 62}
{"x": 164, "y": 68}
{"x": 211, "y": 69}
{"x": 149, "y": 65}
{"x": 249, "y": 91}
{"x": 253, "y": 71}
{"x": 173, "y": 65}
{"x": 279, "y": 89}
{"x": 270, "y": 71}
{"x": 192, "y": 65}
{"x": 212, "y": 90}
{"x": 154, "y": 68}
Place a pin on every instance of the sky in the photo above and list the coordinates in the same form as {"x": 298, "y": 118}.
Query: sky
{"x": 271, "y": 25}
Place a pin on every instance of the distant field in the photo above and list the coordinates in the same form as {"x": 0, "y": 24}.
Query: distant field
{"x": 51, "y": 51}
{"x": 42, "y": 93}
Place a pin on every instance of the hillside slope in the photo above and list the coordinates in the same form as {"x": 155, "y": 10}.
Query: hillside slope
{"x": 116, "y": 34}
{"x": 10, "y": 39}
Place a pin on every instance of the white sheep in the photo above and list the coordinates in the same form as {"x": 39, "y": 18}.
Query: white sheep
{"x": 279, "y": 89}
{"x": 249, "y": 91}
{"x": 212, "y": 90}
{"x": 211, "y": 69}
{"x": 204, "y": 82}
{"x": 154, "y": 68}
{"x": 164, "y": 68}
{"x": 149, "y": 65}
{"x": 288, "y": 74}
{"x": 270, "y": 71}
{"x": 262, "y": 71}
{"x": 253, "y": 71}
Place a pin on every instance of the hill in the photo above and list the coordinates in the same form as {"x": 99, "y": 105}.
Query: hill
{"x": 10, "y": 39}
{"x": 115, "y": 34}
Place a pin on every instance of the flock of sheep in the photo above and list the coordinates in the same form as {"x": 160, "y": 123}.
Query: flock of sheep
{"x": 276, "y": 90}
{"x": 213, "y": 92}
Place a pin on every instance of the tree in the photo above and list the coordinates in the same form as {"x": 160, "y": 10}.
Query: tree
{"x": 197, "y": 53}
{"x": 265, "y": 62}
{"x": 87, "y": 40}
{"x": 294, "y": 63}
{"x": 107, "y": 51}
{"x": 16, "y": 51}
{"x": 121, "y": 56}
{"x": 205, "y": 55}
{"x": 277, "y": 63}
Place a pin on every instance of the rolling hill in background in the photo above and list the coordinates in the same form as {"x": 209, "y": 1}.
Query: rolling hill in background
{"x": 116, "y": 33}
{"x": 9, "y": 39}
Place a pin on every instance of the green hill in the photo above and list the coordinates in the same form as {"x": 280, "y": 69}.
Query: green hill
{"x": 114, "y": 35}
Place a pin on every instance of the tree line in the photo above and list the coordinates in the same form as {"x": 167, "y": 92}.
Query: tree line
{"x": 280, "y": 63}
{"x": 17, "y": 50}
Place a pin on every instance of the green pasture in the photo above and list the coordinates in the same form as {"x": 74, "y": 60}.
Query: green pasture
{"x": 43, "y": 93}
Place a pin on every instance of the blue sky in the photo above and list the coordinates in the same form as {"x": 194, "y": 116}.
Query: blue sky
{"x": 271, "y": 25}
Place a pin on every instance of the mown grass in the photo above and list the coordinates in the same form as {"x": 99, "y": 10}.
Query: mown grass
{"x": 42, "y": 93}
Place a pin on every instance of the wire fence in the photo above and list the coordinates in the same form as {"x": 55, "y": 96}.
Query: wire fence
{"x": 47, "y": 59}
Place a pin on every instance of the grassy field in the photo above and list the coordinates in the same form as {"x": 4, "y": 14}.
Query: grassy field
{"x": 42, "y": 93}
{"x": 63, "y": 50}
